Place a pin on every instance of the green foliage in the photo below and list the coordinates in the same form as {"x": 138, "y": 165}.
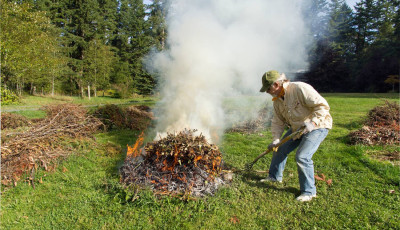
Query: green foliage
{"x": 65, "y": 46}
{"x": 29, "y": 47}
{"x": 8, "y": 97}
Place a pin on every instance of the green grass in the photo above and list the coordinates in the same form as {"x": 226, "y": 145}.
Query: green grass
{"x": 30, "y": 104}
{"x": 88, "y": 195}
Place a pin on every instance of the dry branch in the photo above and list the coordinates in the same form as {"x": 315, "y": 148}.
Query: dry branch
{"x": 41, "y": 144}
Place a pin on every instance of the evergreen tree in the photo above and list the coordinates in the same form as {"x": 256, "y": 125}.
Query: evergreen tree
{"x": 158, "y": 10}
{"x": 132, "y": 44}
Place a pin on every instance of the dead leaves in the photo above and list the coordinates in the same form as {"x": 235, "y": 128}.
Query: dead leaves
{"x": 381, "y": 127}
{"x": 234, "y": 220}
{"x": 323, "y": 178}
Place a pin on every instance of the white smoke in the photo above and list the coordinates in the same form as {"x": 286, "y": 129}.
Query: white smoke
{"x": 220, "y": 48}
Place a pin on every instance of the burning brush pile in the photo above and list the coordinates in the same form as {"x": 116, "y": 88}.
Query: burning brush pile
{"x": 381, "y": 127}
{"x": 179, "y": 164}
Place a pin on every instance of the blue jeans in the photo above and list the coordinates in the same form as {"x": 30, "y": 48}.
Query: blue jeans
{"x": 307, "y": 146}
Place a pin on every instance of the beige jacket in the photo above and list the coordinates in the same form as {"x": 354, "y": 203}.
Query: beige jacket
{"x": 301, "y": 103}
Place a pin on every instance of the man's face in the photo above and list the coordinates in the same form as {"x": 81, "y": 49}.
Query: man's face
{"x": 274, "y": 89}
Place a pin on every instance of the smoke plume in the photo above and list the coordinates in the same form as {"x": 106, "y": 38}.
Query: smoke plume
{"x": 218, "y": 49}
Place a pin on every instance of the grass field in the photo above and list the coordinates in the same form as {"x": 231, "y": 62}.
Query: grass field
{"x": 30, "y": 105}
{"x": 84, "y": 191}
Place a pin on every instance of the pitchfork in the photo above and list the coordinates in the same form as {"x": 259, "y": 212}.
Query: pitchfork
{"x": 299, "y": 132}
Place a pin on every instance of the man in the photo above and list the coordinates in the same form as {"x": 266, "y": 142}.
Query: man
{"x": 296, "y": 105}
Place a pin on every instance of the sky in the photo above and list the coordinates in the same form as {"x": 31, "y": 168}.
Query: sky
{"x": 352, "y": 3}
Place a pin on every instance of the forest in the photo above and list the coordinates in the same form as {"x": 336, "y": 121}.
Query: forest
{"x": 96, "y": 47}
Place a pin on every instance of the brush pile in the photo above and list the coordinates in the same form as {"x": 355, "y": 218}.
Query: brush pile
{"x": 254, "y": 125}
{"x": 132, "y": 117}
{"x": 181, "y": 164}
{"x": 37, "y": 147}
{"x": 382, "y": 126}
{"x": 12, "y": 121}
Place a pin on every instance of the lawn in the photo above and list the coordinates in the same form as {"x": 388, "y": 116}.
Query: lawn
{"x": 30, "y": 104}
{"x": 84, "y": 192}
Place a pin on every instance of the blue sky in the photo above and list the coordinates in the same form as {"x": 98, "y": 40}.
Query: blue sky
{"x": 352, "y": 3}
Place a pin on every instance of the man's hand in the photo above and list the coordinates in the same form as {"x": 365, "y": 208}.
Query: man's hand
{"x": 273, "y": 144}
{"x": 309, "y": 126}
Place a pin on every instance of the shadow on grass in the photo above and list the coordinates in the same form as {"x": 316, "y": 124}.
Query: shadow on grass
{"x": 254, "y": 181}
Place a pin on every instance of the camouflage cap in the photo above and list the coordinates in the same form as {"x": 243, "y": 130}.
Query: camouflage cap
{"x": 268, "y": 79}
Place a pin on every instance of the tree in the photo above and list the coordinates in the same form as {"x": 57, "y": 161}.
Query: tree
{"x": 158, "y": 10}
{"x": 28, "y": 45}
{"x": 132, "y": 45}
{"x": 393, "y": 80}
{"x": 99, "y": 58}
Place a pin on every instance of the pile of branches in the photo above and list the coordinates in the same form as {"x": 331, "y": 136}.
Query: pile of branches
{"x": 181, "y": 164}
{"x": 382, "y": 126}
{"x": 41, "y": 144}
{"x": 138, "y": 117}
{"x": 12, "y": 121}
{"x": 132, "y": 117}
{"x": 254, "y": 125}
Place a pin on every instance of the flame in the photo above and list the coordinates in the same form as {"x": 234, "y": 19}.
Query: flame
{"x": 216, "y": 162}
{"x": 165, "y": 163}
{"x": 197, "y": 159}
{"x": 134, "y": 151}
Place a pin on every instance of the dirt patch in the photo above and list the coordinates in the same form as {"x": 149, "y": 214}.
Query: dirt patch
{"x": 40, "y": 145}
{"x": 12, "y": 121}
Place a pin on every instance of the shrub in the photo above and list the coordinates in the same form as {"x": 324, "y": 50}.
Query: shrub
{"x": 8, "y": 97}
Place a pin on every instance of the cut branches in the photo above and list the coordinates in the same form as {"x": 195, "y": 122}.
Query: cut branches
{"x": 41, "y": 144}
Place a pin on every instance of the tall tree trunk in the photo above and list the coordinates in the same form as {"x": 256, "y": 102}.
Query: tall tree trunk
{"x": 88, "y": 91}
{"x": 52, "y": 86}
{"x": 32, "y": 93}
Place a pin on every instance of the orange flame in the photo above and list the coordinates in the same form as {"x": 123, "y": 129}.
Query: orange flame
{"x": 134, "y": 151}
{"x": 197, "y": 159}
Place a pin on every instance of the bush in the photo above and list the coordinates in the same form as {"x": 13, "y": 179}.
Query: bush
{"x": 8, "y": 97}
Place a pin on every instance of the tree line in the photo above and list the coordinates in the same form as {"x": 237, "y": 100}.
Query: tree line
{"x": 81, "y": 47}
{"x": 354, "y": 50}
